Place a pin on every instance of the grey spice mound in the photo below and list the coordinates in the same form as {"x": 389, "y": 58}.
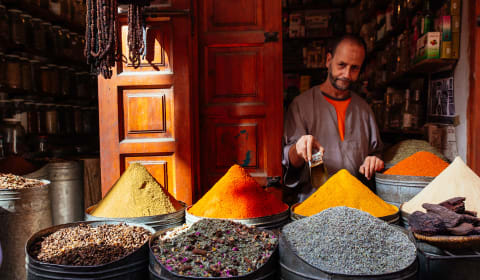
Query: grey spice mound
{"x": 342, "y": 240}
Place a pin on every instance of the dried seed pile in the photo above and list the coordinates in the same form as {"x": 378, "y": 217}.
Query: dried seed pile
{"x": 85, "y": 245}
{"x": 348, "y": 241}
{"x": 13, "y": 182}
{"x": 406, "y": 148}
{"x": 215, "y": 248}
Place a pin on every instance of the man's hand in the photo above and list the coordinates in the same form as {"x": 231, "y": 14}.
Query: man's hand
{"x": 370, "y": 166}
{"x": 302, "y": 151}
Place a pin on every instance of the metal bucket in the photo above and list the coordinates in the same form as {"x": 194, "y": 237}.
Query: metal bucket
{"x": 438, "y": 264}
{"x": 405, "y": 217}
{"x": 397, "y": 189}
{"x": 157, "y": 222}
{"x": 131, "y": 267}
{"x": 393, "y": 219}
{"x": 22, "y": 213}
{"x": 292, "y": 267}
{"x": 267, "y": 222}
{"x": 157, "y": 271}
{"x": 66, "y": 191}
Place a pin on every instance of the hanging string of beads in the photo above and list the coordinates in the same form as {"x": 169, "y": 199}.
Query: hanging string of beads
{"x": 101, "y": 46}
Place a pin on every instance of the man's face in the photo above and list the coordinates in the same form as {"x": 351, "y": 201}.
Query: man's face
{"x": 344, "y": 66}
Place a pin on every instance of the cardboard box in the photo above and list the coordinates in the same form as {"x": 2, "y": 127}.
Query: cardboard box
{"x": 428, "y": 46}
{"x": 455, "y": 7}
{"x": 441, "y": 99}
{"x": 456, "y": 21}
{"x": 446, "y": 50}
{"x": 443, "y": 138}
{"x": 446, "y": 28}
{"x": 455, "y": 45}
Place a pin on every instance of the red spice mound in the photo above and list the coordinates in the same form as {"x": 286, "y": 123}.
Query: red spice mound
{"x": 419, "y": 164}
{"x": 237, "y": 196}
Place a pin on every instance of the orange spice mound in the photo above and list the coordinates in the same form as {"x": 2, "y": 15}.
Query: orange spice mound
{"x": 419, "y": 164}
{"x": 237, "y": 196}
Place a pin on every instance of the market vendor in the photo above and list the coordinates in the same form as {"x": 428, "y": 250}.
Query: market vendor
{"x": 331, "y": 118}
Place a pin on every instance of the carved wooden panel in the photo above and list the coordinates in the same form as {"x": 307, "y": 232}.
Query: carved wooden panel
{"x": 236, "y": 144}
{"x": 234, "y": 74}
{"x": 161, "y": 168}
{"x": 159, "y": 50}
{"x": 226, "y": 15}
{"x": 147, "y": 113}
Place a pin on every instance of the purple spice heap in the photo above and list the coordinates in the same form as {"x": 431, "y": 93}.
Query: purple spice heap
{"x": 215, "y": 248}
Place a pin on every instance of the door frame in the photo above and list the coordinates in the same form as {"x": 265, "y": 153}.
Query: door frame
{"x": 473, "y": 110}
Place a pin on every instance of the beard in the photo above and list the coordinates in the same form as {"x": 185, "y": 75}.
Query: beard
{"x": 333, "y": 80}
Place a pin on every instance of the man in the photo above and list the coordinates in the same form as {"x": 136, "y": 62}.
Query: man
{"x": 332, "y": 119}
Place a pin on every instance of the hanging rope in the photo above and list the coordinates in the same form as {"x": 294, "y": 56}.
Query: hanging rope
{"x": 101, "y": 45}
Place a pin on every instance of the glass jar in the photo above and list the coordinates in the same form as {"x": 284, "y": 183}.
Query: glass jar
{"x": 69, "y": 119}
{"x": 81, "y": 82}
{"x": 17, "y": 29}
{"x": 47, "y": 29}
{"x": 14, "y": 137}
{"x": 75, "y": 44}
{"x": 65, "y": 43}
{"x": 4, "y": 26}
{"x": 41, "y": 110}
{"x": 4, "y": 108}
{"x": 35, "y": 75}
{"x": 32, "y": 122}
{"x": 27, "y": 27}
{"x": 45, "y": 80}
{"x": 3, "y": 66}
{"x": 19, "y": 111}
{"x": 56, "y": 39}
{"x": 51, "y": 119}
{"x": 13, "y": 71}
{"x": 26, "y": 74}
{"x": 78, "y": 126}
{"x": 81, "y": 41}
{"x": 54, "y": 80}
{"x": 55, "y": 7}
{"x": 39, "y": 34}
{"x": 64, "y": 80}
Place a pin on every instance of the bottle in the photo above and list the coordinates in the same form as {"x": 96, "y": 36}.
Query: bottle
{"x": 417, "y": 109}
{"x": 427, "y": 19}
{"x": 407, "y": 113}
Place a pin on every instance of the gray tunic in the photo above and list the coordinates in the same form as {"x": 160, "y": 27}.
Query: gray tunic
{"x": 311, "y": 114}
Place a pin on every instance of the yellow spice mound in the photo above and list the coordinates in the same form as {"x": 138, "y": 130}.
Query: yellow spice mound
{"x": 136, "y": 194}
{"x": 343, "y": 189}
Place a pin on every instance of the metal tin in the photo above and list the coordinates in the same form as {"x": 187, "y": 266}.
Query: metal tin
{"x": 267, "y": 222}
{"x": 13, "y": 71}
{"x": 133, "y": 266}
{"x": 158, "y": 222}
{"x": 23, "y": 212}
{"x": 397, "y": 189}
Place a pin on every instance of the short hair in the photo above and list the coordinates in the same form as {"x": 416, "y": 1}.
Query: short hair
{"x": 348, "y": 37}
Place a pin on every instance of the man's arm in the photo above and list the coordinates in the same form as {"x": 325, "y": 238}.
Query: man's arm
{"x": 373, "y": 162}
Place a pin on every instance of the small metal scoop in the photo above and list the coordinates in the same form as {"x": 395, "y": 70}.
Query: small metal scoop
{"x": 318, "y": 170}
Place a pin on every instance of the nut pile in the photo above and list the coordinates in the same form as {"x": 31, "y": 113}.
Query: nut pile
{"x": 215, "y": 248}
{"x": 85, "y": 245}
{"x": 13, "y": 182}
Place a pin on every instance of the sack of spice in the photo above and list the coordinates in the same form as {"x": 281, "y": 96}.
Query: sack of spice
{"x": 457, "y": 180}
{"x": 344, "y": 189}
{"x": 237, "y": 196}
{"x": 419, "y": 164}
{"x": 136, "y": 194}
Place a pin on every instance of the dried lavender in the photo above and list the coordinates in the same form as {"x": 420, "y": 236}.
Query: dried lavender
{"x": 215, "y": 248}
{"x": 13, "y": 182}
{"x": 348, "y": 241}
{"x": 85, "y": 245}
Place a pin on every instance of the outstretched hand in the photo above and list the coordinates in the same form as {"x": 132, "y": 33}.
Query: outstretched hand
{"x": 371, "y": 165}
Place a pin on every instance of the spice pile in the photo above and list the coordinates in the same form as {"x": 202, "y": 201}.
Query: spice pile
{"x": 237, "y": 196}
{"x": 457, "y": 180}
{"x": 215, "y": 248}
{"x": 446, "y": 218}
{"x": 419, "y": 164}
{"x": 348, "y": 241}
{"x": 14, "y": 182}
{"x": 16, "y": 165}
{"x": 406, "y": 148}
{"x": 84, "y": 245}
{"x": 136, "y": 194}
{"x": 343, "y": 189}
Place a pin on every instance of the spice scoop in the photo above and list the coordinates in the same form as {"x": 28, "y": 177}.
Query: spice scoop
{"x": 318, "y": 170}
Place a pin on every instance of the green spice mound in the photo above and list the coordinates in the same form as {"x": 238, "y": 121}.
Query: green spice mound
{"x": 348, "y": 241}
{"x": 215, "y": 248}
{"x": 136, "y": 194}
{"x": 404, "y": 149}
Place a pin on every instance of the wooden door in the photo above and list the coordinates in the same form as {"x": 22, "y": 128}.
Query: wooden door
{"x": 473, "y": 113}
{"x": 145, "y": 113}
{"x": 241, "y": 117}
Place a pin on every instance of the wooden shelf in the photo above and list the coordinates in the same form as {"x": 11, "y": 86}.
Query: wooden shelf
{"x": 306, "y": 39}
{"x": 399, "y": 131}
{"x": 303, "y": 69}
